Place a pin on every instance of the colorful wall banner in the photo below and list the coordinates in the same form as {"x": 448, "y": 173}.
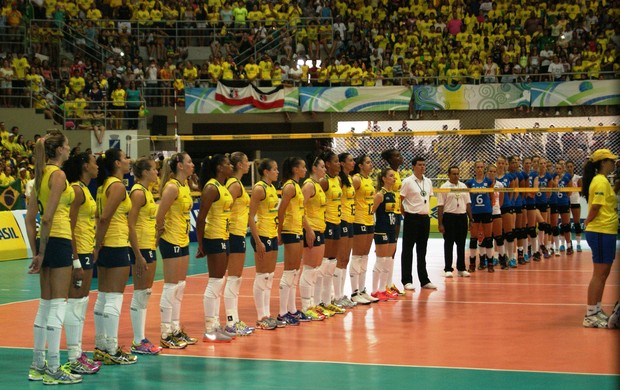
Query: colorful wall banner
{"x": 12, "y": 238}
{"x": 575, "y": 93}
{"x": 354, "y": 99}
{"x": 204, "y": 101}
{"x": 471, "y": 97}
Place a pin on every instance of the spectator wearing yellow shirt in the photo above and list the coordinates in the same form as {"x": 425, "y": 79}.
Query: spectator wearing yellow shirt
{"x": 229, "y": 68}
{"x": 475, "y": 71}
{"x": 19, "y": 64}
{"x": 266, "y": 66}
{"x": 276, "y": 74}
{"x": 215, "y": 70}
{"x": 251, "y": 70}
{"x": 94, "y": 13}
{"x": 8, "y": 177}
{"x": 118, "y": 97}
{"x": 77, "y": 83}
{"x": 190, "y": 75}
{"x": 356, "y": 74}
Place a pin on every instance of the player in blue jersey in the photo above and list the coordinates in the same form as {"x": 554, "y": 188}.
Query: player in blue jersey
{"x": 564, "y": 181}
{"x": 481, "y": 208}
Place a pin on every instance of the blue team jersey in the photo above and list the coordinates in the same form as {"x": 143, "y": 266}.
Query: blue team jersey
{"x": 385, "y": 219}
{"x": 506, "y": 180}
{"x": 480, "y": 201}
{"x": 553, "y": 196}
{"x": 530, "y": 183}
{"x": 543, "y": 182}
{"x": 564, "y": 197}
{"x": 519, "y": 175}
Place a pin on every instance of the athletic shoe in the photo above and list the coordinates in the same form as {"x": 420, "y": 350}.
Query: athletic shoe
{"x": 251, "y": 329}
{"x": 519, "y": 255}
{"x": 358, "y": 299}
{"x": 322, "y": 310}
{"x": 537, "y": 256}
{"x": 472, "y": 267}
{"x": 578, "y": 248}
{"x": 557, "y": 253}
{"x": 265, "y": 324}
{"x": 172, "y": 342}
{"x": 334, "y": 308}
{"x": 89, "y": 362}
{"x": 447, "y": 274}
{"x": 562, "y": 248}
{"x": 238, "y": 329}
{"x": 512, "y": 263}
{"x": 120, "y": 357}
{"x": 301, "y": 316}
{"x": 395, "y": 289}
{"x": 409, "y": 287}
{"x": 430, "y": 286}
{"x": 289, "y": 320}
{"x": 145, "y": 348}
{"x": 390, "y": 294}
{"x": 483, "y": 263}
{"x": 380, "y": 295}
{"x": 276, "y": 322}
{"x": 595, "y": 321}
{"x": 569, "y": 250}
{"x": 526, "y": 258}
{"x": 314, "y": 315}
{"x": 495, "y": 261}
{"x": 463, "y": 274}
{"x": 341, "y": 303}
{"x": 36, "y": 373}
{"x": 614, "y": 319}
{"x": 99, "y": 355}
{"x": 491, "y": 268}
{"x": 503, "y": 261}
{"x": 369, "y": 297}
{"x": 529, "y": 251}
{"x": 215, "y": 336}
{"x": 181, "y": 335}
{"x": 552, "y": 252}
{"x": 60, "y": 377}
{"x": 77, "y": 367}
{"x": 349, "y": 304}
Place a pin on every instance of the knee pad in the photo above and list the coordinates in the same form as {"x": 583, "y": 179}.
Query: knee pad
{"x": 167, "y": 295}
{"x": 56, "y": 314}
{"x": 565, "y": 228}
{"x": 41, "y": 318}
{"x": 531, "y": 230}
{"x": 381, "y": 265}
{"x": 233, "y": 285}
{"x": 287, "y": 279}
{"x": 578, "y": 229}
{"x": 270, "y": 281}
{"x": 73, "y": 311}
{"x": 113, "y": 304}
{"x": 487, "y": 242}
{"x": 214, "y": 288}
{"x": 180, "y": 290}
{"x": 141, "y": 298}
{"x": 555, "y": 230}
{"x": 499, "y": 240}
{"x": 262, "y": 281}
{"x": 308, "y": 277}
{"x": 510, "y": 236}
{"x": 363, "y": 264}
{"x": 548, "y": 229}
{"x": 473, "y": 243}
{"x": 356, "y": 266}
{"x": 522, "y": 233}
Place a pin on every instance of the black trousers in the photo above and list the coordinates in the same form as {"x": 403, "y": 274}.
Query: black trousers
{"x": 456, "y": 227}
{"x": 416, "y": 228}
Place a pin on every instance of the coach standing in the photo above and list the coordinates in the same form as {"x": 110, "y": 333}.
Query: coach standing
{"x": 454, "y": 217}
{"x": 415, "y": 195}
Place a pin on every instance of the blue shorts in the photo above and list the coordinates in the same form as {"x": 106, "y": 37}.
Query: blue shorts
{"x": 214, "y": 246}
{"x": 58, "y": 253}
{"x": 86, "y": 260}
{"x": 385, "y": 238}
{"x": 113, "y": 257}
{"x": 564, "y": 209}
{"x": 482, "y": 218}
{"x": 332, "y": 231}
{"x": 399, "y": 218}
{"x": 170, "y": 251}
{"x": 542, "y": 207}
{"x": 346, "y": 229}
{"x": 362, "y": 229}
{"x": 271, "y": 244}
{"x": 319, "y": 239}
{"x": 291, "y": 238}
{"x": 148, "y": 254}
{"x": 603, "y": 247}
{"x": 236, "y": 244}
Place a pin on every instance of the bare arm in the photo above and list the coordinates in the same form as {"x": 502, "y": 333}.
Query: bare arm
{"x": 138, "y": 200}
{"x": 308, "y": 191}
{"x": 258, "y": 194}
{"x": 209, "y": 195}
{"x": 169, "y": 194}
{"x": 116, "y": 194}
{"x": 288, "y": 192}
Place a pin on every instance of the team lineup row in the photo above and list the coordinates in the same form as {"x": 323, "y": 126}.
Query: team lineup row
{"x": 329, "y": 220}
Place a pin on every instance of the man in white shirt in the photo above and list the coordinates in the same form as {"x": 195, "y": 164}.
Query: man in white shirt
{"x": 454, "y": 217}
{"x": 415, "y": 196}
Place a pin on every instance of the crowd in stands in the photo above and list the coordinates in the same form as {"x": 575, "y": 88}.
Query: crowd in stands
{"x": 322, "y": 42}
{"x": 15, "y": 156}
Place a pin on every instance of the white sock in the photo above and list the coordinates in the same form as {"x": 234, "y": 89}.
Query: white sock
{"x": 556, "y": 242}
{"x": 318, "y": 285}
{"x": 363, "y": 269}
{"x": 83, "y": 308}
{"x": 111, "y": 317}
{"x": 40, "y": 333}
{"x": 231, "y": 299}
{"x": 55, "y": 318}
{"x": 210, "y": 297}
{"x": 354, "y": 272}
{"x": 390, "y": 275}
{"x": 534, "y": 244}
{"x": 165, "y": 308}
{"x": 338, "y": 272}
{"x": 591, "y": 310}
{"x": 267, "y": 295}
{"x": 72, "y": 327}
{"x": 259, "y": 293}
{"x": 292, "y": 296}
{"x": 98, "y": 317}
{"x": 306, "y": 286}
{"x": 376, "y": 273}
{"x": 328, "y": 281}
{"x": 510, "y": 249}
{"x": 139, "y": 303}
{"x": 541, "y": 238}
{"x": 501, "y": 250}
{"x": 563, "y": 241}
{"x": 176, "y": 307}
{"x": 578, "y": 238}
{"x": 383, "y": 277}
{"x": 286, "y": 283}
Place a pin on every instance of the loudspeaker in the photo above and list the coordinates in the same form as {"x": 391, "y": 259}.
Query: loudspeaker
{"x": 159, "y": 126}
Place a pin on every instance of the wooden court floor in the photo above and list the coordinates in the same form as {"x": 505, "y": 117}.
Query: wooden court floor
{"x": 516, "y": 329}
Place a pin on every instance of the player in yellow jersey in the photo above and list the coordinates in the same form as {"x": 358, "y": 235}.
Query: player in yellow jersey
{"x": 212, "y": 234}
{"x": 330, "y": 184}
{"x": 384, "y": 206}
{"x": 264, "y": 229}
{"x": 111, "y": 255}
{"x": 347, "y": 209}
{"x": 80, "y": 169}
{"x": 314, "y": 240}
{"x": 142, "y": 254}
{"x": 236, "y": 242}
{"x": 52, "y": 259}
{"x": 290, "y": 234}
{"x": 172, "y": 224}
{"x": 363, "y": 228}
{"x": 395, "y": 160}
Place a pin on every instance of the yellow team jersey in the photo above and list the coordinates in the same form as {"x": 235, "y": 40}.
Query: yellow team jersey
{"x": 293, "y": 217}
{"x": 61, "y": 224}
{"x": 364, "y": 199}
{"x": 398, "y": 183}
{"x": 601, "y": 193}
{"x": 267, "y": 215}
{"x": 84, "y": 232}
{"x": 117, "y": 235}
{"x": 348, "y": 203}
{"x": 240, "y": 210}
{"x": 315, "y": 210}
{"x": 218, "y": 217}
{"x": 176, "y": 224}
{"x": 145, "y": 225}
{"x": 333, "y": 196}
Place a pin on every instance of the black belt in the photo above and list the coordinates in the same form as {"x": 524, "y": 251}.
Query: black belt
{"x": 418, "y": 215}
